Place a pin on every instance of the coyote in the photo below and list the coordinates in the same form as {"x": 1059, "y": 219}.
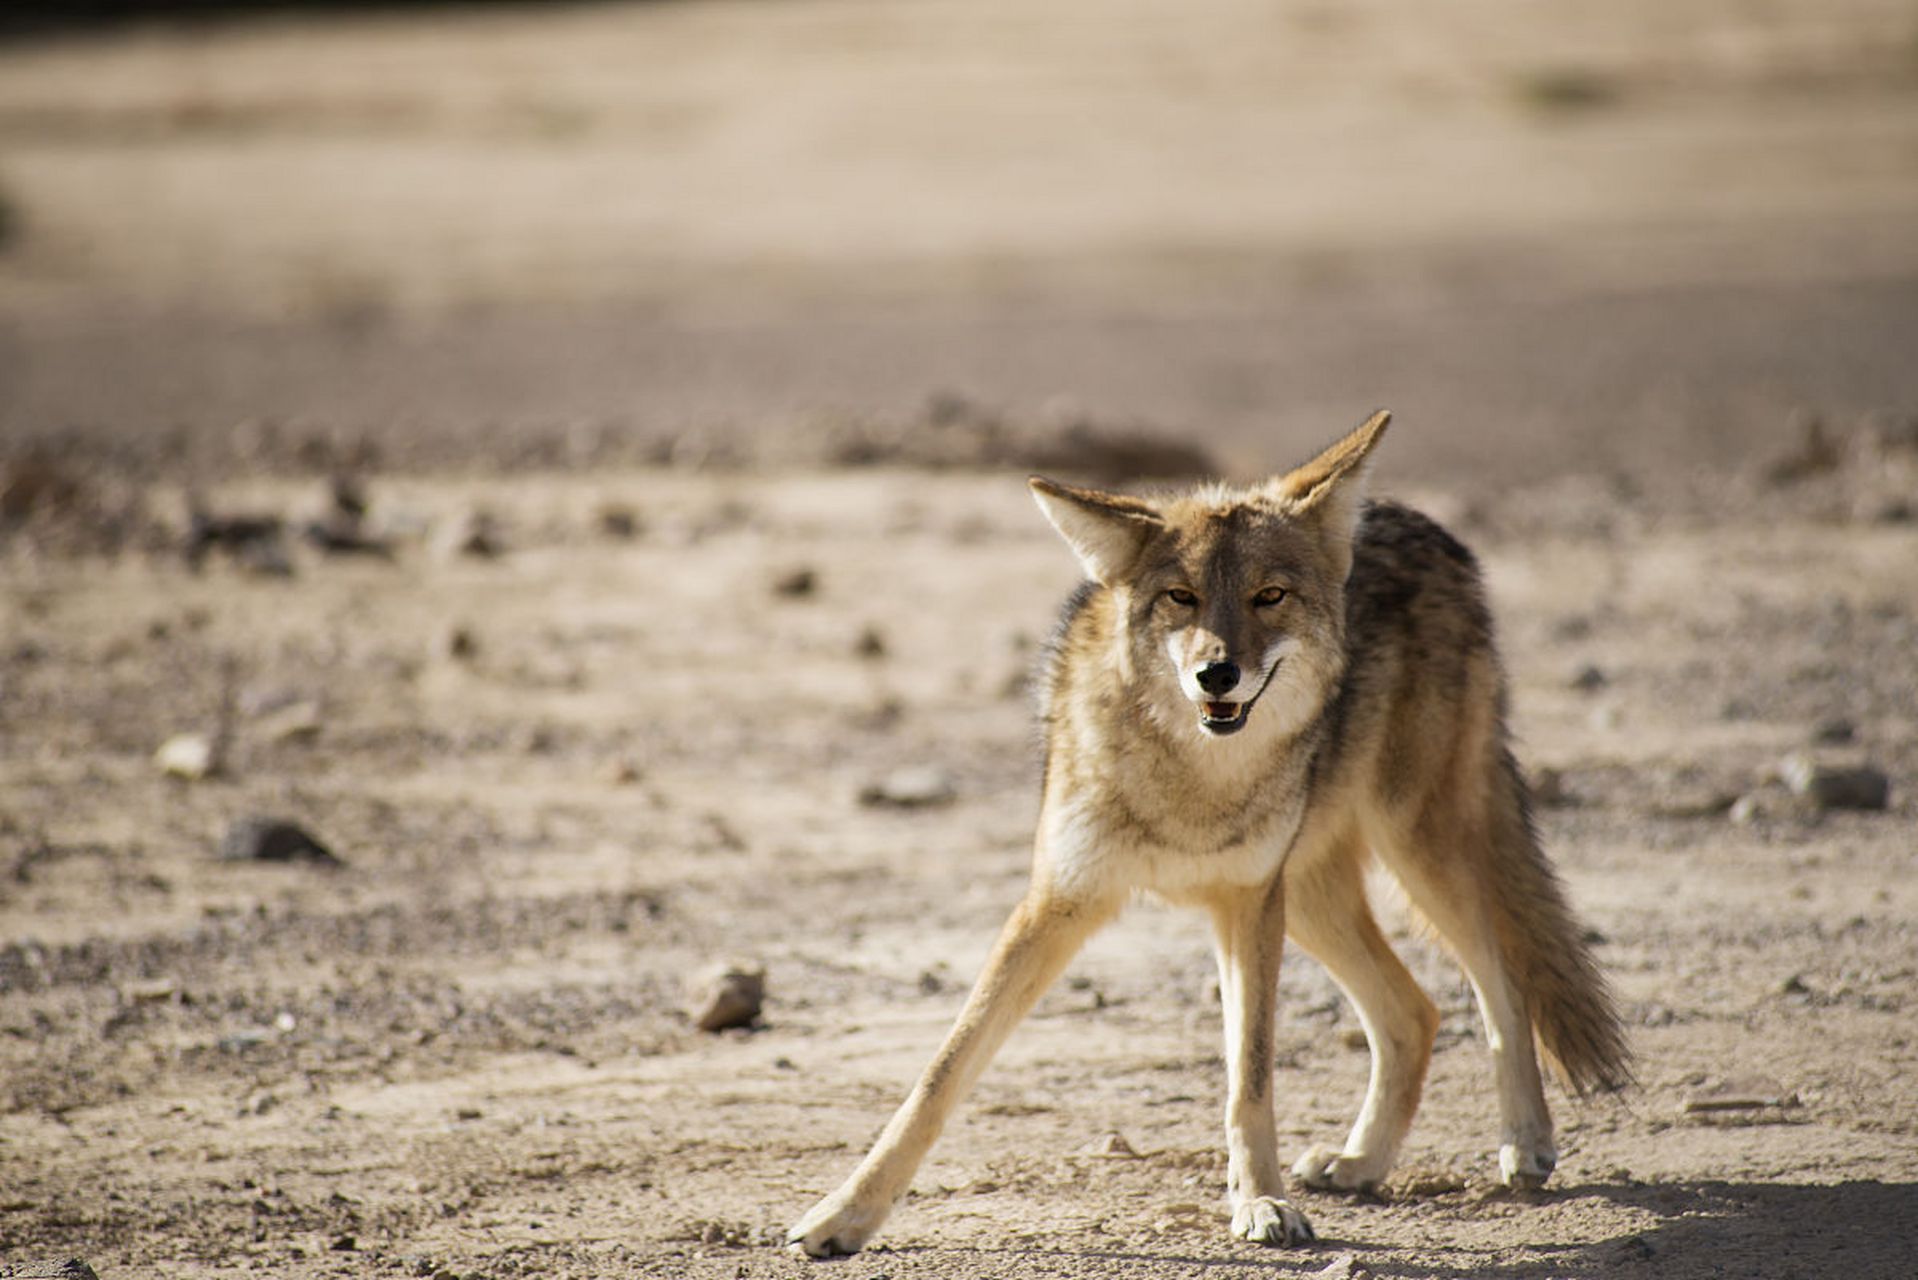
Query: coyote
{"x": 1255, "y": 691}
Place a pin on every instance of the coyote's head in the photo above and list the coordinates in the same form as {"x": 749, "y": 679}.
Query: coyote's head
{"x": 1231, "y": 602}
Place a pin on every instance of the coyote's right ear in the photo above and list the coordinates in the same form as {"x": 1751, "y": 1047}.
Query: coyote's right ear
{"x": 1107, "y": 531}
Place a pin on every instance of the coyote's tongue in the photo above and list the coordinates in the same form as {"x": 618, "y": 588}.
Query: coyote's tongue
{"x": 1221, "y": 710}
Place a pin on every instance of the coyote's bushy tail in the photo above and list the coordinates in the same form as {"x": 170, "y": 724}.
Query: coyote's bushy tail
{"x": 1574, "y": 1015}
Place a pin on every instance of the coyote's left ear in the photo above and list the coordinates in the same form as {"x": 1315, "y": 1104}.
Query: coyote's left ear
{"x": 1331, "y": 486}
{"x": 1107, "y": 531}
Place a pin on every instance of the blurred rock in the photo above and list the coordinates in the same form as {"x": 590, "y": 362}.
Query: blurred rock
{"x": 1815, "y": 454}
{"x": 619, "y": 521}
{"x": 296, "y": 722}
{"x": 1588, "y": 679}
{"x": 253, "y": 542}
{"x": 871, "y": 644}
{"x": 728, "y": 995}
{"x": 913, "y": 787}
{"x": 1835, "y": 732}
{"x": 71, "y": 1269}
{"x": 796, "y": 584}
{"x": 475, "y": 534}
{"x": 1112, "y": 1145}
{"x": 1836, "y": 787}
{"x": 192, "y": 756}
{"x": 1548, "y": 789}
{"x": 1344, "y": 1267}
{"x": 457, "y": 642}
{"x": 261, "y": 839}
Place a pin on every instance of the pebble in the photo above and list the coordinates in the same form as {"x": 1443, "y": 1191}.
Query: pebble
{"x": 299, "y": 722}
{"x": 475, "y": 534}
{"x": 1589, "y": 679}
{"x": 1835, "y": 786}
{"x": 68, "y": 1269}
{"x": 913, "y": 787}
{"x": 731, "y": 994}
{"x": 796, "y": 584}
{"x": 1835, "y": 732}
{"x": 260, "y": 839}
{"x": 188, "y": 755}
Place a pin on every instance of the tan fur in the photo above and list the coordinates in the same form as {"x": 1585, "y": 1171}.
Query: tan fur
{"x": 1257, "y": 691}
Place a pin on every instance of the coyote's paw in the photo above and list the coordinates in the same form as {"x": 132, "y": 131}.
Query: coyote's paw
{"x": 1526, "y": 1169}
{"x": 1326, "y": 1168}
{"x": 1266, "y": 1220}
{"x": 835, "y": 1227}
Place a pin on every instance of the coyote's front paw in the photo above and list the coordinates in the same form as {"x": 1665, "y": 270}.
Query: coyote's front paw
{"x": 1267, "y": 1220}
{"x": 836, "y": 1226}
{"x": 1525, "y": 1168}
{"x": 1325, "y": 1168}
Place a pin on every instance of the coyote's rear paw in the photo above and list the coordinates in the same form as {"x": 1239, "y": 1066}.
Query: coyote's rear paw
{"x": 1325, "y": 1168}
{"x": 835, "y": 1227}
{"x": 1524, "y": 1169}
{"x": 1265, "y": 1220}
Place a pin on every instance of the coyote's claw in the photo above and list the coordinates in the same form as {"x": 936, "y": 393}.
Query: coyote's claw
{"x": 1267, "y": 1220}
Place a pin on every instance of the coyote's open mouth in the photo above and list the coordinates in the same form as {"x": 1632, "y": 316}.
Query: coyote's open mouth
{"x": 1224, "y": 717}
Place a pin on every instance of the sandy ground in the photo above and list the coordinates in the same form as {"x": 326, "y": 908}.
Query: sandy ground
{"x": 464, "y": 1053}
{"x": 639, "y": 284}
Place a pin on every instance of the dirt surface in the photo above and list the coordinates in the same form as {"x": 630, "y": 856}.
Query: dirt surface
{"x": 689, "y": 381}
{"x": 566, "y": 778}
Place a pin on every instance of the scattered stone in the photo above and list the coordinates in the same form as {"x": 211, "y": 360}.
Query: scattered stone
{"x": 619, "y": 521}
{"x": 297, "y": 722}
{"x": 1814, "y": 454}
{"x": 1835, "y": 732}
{"x": 253, "y": 542}
{"x": 796, "y": 584}
{"x": 157, "y": 991}
{"x": 1354, "y": 1038}
{"x": 871, "y": 644}
{"x": 930, "y": 983}
{"x": 71, "y": 1269}
{"x": 458, "y": 643}
{"x": 728, "y": 995}
{"x": 913, "y": 787}
{"x": 623, "y": 772}
{"x": 475, "y": 534}
{"x": 1859, "y": 787}
{"x": 191, "y": 756}
{"x": 468, "y": 1113}
{"x": 1548, "y": 789}
{"x": 344, "y": 1244}
{"x": 341, "y": 529}
{"x": 1110, "y": 1146}
{"x": 1588, "y": 679}
{"x": 1693, "y": 804}
{"x": 260, "y": 839}
{"x": 1344, "y": 1267}
{"x": 1794, "y": 986}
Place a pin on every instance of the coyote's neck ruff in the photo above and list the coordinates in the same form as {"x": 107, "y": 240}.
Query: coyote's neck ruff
{"x": 1256, "y": 691}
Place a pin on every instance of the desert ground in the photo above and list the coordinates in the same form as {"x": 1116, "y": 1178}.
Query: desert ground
{"x": 570, "y": 462}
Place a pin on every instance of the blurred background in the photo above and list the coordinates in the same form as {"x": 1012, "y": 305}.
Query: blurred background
{"x": 1620, "y": 236}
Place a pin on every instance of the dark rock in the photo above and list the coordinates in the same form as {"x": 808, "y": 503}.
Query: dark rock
{"x": 1835, "y": 732}
{"x": 796, "y": 584}
{"x": 1588, "y": 679}
{"x": 920, "y": 787}
{"x": 1836, "y": 786}
{"x": 728, "y": 995}
{"x": 258, "y": 839}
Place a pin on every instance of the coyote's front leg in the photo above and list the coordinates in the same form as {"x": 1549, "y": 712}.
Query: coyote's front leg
{"x": 1043, "y": 933}
{"x": 1250, "y": 928}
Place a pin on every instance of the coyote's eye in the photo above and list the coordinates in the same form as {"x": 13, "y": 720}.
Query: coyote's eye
{"x": 1269, "y": 597}
{"x": 1181, "y": 597}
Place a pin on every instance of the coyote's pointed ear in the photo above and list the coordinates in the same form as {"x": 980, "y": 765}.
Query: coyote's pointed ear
{"x": 1107, "y": 531}
{"x": 1332, "y": 484}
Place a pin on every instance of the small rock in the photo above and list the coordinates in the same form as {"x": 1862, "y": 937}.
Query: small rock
{"x": 618, "y": 521}
{"x": 1794, "y": 986}
{"x": 1112, "y": 1146}
{"x": 622, "y": 772}
{"x": 1344, "y": 1267}
{"x": 1548, "y": 788}
{"x": 1835, "y": 732}
{"x": 1588, "y": 679}
{"x": 871, "y": 644}
{"x": 258, "y": 839}
{"x": 1837, "y": 787}
{"x": 188, "y": 755}
{"x": 458, "y": 643}
{"x": 796, "y": 584}
{"x": 1354, "y": 1038}
{"x": 475, "y": 534}
{"x": 71, "y": 1269}
{"x": 913, "y": 787}
{"x": 344, "y": 1244}
{"x": 1815, "y": 454}
{"x": 299, "y": 722}
{"x": 728, "y": 995}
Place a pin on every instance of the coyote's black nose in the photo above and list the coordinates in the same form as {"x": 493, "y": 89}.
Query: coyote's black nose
{"x": 1217, "y": 678}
